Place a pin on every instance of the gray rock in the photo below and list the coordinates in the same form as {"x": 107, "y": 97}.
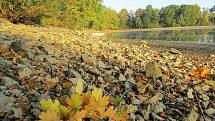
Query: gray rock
{"x": 89, "y": 60}
{"x": 210, "y": 111}
{"x": 40, "y": 58}
{"x": 6, "y": 103}
{"x": 4, "y": 64}
{"x": 75, "y": 80}
{"x": 18, "y": 45}
{"x": 8, "y": 81}
{"x": 46, "y": 49}
{"x": 205, "y": 104}
{"x": 24, "y": 72}
{"x": 205, "y": 97}
{"x": 30, "y": 53}
{"x": 93, "y": 70}
{"x": 193, "y": 116}
{"x": 102, "y": 64}
{"x": 122, "y": 77}
{"x": 158, "y": 108}
{"x": 156, "y": 117}
{"x": 174, "y": 51}
{"x": 153, "y": 70}
{"x": 73, "y": 74}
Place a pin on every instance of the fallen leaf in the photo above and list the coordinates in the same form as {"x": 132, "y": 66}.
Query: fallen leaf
{"x": 50, "y": 82}
{"x": 79, "y": 87}
{"x": 49, "y": 116}
{"x": 97, "y": 92}
{"x": 201, "y": 73}
{"x": 67, "y": 85}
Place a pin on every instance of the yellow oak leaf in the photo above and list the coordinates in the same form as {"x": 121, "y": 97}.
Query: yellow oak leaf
{"x": 97, "y": 92}
{"x": 79, "y": 87}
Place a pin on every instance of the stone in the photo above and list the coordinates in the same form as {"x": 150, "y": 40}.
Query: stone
{"x": 24, "y": 72}
{"x": 155, "y": 99}
{"x": 210, "y": 111}
{"x": 158, "y": 108}
{"x": 4, "y": 64}
{"x": 174, "y": 51}
{"x": 128, "y": 72}
{"x": 73, "y": 74}
{"x": 156, "y": 117}
{"x": 190, "y": 94}
{"x": 18, "y": 46}
{"x": 193, "y": 116}
{"x": 89, "y": 60}
{"x": 94, "y": 70}
{"x": 153, "y": 70}
{"x": 8, "y": 81}
{"x": 75, "y": 80}
{"x": 101, "y": 65}
{"x": 121, "y": 77}
{"x": 205, "y": 88}
{"x": 205, "y": 97}
{"x": 46, "y": 49}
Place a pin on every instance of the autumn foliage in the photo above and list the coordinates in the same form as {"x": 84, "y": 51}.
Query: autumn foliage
{"x": 201, "y": 73}
{"x": 80, "y": 106}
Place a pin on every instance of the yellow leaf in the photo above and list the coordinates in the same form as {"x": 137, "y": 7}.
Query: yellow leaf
{"x": 110, "y": 112}
{"x": 79, "y": 87}
{"x": 75, "y": 102}
{"x": 97, "y": 92}
{"x": 49, "y": 116}
{"x": 80, "y": 115}
{"x": 49, "y": 105}
{"x": 64, "y": 111}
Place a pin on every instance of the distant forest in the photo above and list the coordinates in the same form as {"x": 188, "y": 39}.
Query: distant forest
{"x": 92, "y": 14}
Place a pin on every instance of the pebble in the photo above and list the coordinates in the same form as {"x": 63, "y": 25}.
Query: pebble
{"x": 18, "y": 45}
{"x": 24, "y": 72}
{"x": 8, "y": 82}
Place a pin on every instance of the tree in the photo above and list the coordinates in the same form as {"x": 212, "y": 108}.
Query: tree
{"x": 168, "y": 15}
{"x": 204, "y": 20}
{"x": 189, "y": 15}
{"x": 150, "y": 17}
{"x": 146, "y": 16}
{"x": 123, "y": 19}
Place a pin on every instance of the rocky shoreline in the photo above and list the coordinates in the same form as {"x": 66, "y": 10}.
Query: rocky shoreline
{"x": 43, "y": 63}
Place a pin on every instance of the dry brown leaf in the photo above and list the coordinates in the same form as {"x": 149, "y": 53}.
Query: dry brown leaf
{"x": 50, "y": 82}
{"x": 67, "y": 85}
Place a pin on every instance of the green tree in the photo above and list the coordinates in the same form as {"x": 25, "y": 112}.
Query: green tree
{"x": 204, "y": 20}
{"x": 189, "y": 15}
{"x": 168, "y": 15}
{"x": 137, "y": 20}
{"x": 123, "y": 19}
{"x": 147, "y": 16}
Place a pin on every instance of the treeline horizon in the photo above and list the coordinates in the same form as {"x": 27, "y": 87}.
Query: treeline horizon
{"x": 92, "y": 14}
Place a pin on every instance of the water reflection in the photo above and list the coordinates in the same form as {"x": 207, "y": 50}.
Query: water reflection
{"x": 206, "y": 36}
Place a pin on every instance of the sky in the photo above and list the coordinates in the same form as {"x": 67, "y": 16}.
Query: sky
{"x": 134, "y": 4}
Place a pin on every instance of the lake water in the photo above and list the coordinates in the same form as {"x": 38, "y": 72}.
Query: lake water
{"x": 203, "y": 36}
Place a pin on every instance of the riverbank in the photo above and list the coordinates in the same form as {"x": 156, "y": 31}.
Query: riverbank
{"x": 157, "y": 29}
{"x": 136, "y": 81}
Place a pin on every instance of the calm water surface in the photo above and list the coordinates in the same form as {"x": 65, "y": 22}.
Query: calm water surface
{"x": 203, "y": 36}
